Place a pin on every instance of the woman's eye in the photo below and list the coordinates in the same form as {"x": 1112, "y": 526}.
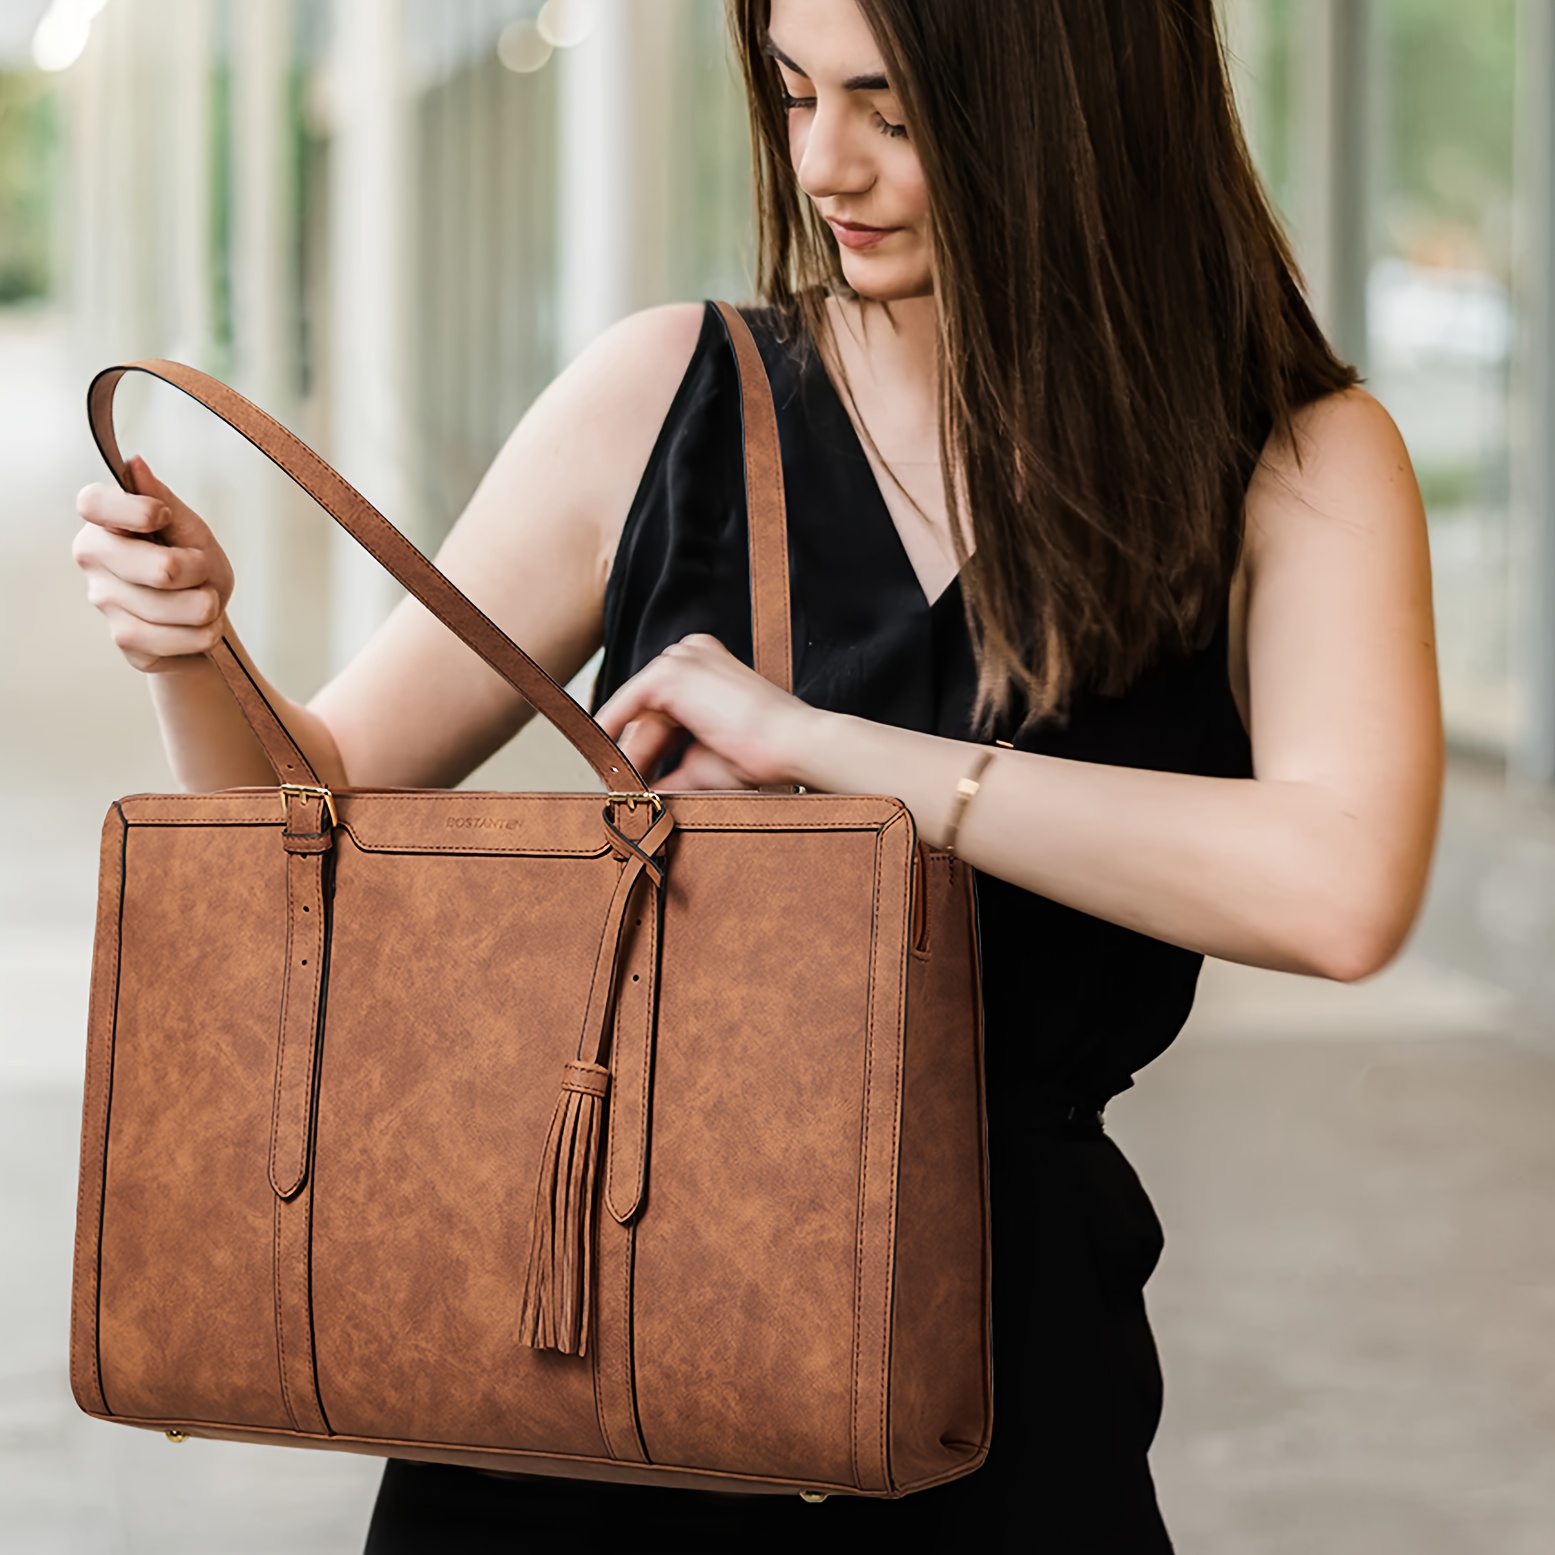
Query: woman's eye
{"x": 883, "y": 124}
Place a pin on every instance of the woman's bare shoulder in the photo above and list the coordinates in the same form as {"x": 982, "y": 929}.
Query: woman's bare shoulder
{"x": 652, "y": 346}
{"x": 1343, "y": 457}
{"x": 589, "y": 436}
{"x": 629, "y": 373}
{"x": 573, "y": 463}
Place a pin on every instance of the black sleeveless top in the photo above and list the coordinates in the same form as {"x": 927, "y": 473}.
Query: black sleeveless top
{"x": 1073, "y": 1004}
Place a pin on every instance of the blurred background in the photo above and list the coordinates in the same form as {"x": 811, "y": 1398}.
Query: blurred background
{"x": 391, "y": 222}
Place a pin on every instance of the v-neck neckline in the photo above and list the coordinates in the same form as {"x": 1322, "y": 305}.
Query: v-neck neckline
{"x": 882, "y": 508}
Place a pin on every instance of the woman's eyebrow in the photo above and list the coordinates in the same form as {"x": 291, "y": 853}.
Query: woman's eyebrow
{"x": 874, "y": 82}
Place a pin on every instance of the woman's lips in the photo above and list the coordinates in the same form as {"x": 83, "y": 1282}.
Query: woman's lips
{"x": 853, "y": 234}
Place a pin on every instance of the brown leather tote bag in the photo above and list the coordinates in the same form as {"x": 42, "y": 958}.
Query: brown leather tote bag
{"x": 616, "y": 1136}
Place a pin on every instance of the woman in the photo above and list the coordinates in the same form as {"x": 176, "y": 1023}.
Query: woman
{"x": 1071, "y": 468}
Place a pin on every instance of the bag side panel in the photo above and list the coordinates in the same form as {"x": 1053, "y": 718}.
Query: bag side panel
{"x": 186, "y": 1308}
{"x": 85, "y": 1375}
{"x": 941, "y": 1398}
{"x": 746, "y": 1285}
{"x": 458, "y": 987}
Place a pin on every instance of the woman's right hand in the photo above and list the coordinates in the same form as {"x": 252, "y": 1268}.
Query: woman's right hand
{"x": 154, "y": 570}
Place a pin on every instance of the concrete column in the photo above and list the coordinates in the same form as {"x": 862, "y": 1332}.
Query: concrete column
{"x": 369, "y": 240}
{"x": 262, "y": 279}
{"x": 1335, "y": 147}
{"x": 1533, "y": 400}
{"x": 110, "y": 222}
{"x": 261, "y": 505}
{"x": 191, "y": 43}
{"x": 615, "y": 139}
{"x": 595, "y": 146}
{"x": 85, "y": 88}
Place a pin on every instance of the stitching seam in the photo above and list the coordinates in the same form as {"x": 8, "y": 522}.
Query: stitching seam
{"x": 280, "y": 1320}
{"x": 861, "y": 1233}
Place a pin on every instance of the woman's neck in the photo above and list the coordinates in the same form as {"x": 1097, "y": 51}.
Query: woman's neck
{"x": 890, "y": 363}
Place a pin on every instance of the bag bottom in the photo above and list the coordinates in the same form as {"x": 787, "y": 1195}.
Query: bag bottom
{"x": 562, "y": 1466}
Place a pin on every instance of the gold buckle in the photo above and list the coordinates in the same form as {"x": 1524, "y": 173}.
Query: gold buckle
{"x": 644, "y": 796}
{"x": 308, "y": 791}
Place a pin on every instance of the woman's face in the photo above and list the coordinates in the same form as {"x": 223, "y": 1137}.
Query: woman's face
{"x": 850, "y": 147}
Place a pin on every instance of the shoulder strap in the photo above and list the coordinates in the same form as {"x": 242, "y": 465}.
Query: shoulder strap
{"x": 770, "y": 629}
{"x": 766, "y": 508}
{"x": 375, "y": 534}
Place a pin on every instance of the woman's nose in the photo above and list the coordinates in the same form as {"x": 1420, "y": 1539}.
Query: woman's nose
{"x": 830, "y": 159}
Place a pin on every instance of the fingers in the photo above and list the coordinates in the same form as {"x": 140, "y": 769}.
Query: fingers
{"x": 182, "y": 525}
{"x": 153, "y": 569}
{"x": 628, "y": 702}
{"x": 144, "y": 481}
{"x": 157, "y": 605}
{"x": 137, "y": 561}
{"x": 653, "y": 685}
{"x": 144, "y": 643}
{"x": 700, "y": 770}
{"x": 648, "y": 739}
{"x": 106, "y": 505}
{"x": 150, "y": 509}
{"x": 696, "y": 688}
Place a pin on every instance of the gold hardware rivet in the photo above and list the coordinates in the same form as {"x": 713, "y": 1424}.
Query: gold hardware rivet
{"x": 176, "y": 1436}
{"x": 814, "y": 1497}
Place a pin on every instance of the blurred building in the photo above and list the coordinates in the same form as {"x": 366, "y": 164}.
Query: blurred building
{"x": 390, "y": 222}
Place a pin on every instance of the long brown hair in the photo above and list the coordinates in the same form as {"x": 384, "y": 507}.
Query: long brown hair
{"x": 1120, "y": 319}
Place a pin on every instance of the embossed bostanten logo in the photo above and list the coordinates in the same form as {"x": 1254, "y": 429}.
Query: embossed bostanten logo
{"x": 482, "y": 823}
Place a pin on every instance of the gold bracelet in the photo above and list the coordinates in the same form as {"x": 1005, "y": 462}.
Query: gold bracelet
{"x": 965, "y": 790}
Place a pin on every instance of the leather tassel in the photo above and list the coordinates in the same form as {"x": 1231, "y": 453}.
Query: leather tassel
{"x": 558, "y": 1291}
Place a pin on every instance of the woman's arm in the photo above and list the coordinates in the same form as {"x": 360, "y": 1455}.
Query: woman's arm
{"x": 1317, "y": 864}
{"x": 415, "y": 707}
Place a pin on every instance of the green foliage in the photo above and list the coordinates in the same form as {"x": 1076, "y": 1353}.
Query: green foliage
{"x": 222, "y": 199}
{"x": 1277, "y": 107}
{"x": 29, "y": 146}
{"x": 1448, "y": 488}
{"x": 1451, "y": 75}
{"x": 1442, "y": 83}
{"x": 712, "y": 232}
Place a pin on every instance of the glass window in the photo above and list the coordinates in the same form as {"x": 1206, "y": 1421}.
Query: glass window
{"x": 29, "y": 136}
{"x": 1440, "y": 321}
{"x": 1436, "y": 245}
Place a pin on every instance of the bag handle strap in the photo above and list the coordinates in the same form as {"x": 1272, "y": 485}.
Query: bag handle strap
{"x": 767, "y": 522}
{"x": 766, "y": 509}
{"x": 376, "y": 535}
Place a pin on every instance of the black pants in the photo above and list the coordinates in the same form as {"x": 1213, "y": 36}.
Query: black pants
{"x": 1077, "y": 1396}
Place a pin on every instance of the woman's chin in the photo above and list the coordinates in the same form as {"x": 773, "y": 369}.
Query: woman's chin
{"x": 886, "y": 277}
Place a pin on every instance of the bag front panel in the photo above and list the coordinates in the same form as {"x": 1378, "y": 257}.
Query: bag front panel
{"x": 186, "y": 1316}
{"x": 746, "y": 1268}
{"x": 457, "y": 991}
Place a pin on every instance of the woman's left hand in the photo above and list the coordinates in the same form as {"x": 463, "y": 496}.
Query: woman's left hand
{"x": 745, "y": 733}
